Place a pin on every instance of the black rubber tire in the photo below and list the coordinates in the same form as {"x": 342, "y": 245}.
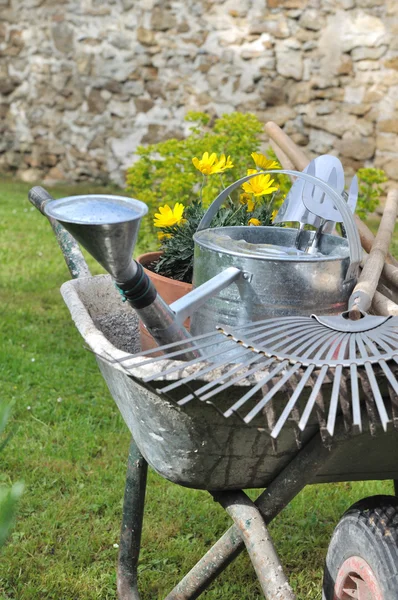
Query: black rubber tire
{"x": 369, "y": 529}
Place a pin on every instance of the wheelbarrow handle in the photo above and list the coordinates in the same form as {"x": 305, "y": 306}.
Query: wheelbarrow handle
{"x": 73, "y": 256}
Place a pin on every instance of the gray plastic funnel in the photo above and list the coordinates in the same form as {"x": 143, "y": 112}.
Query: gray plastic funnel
{"x": 107, "y": 226}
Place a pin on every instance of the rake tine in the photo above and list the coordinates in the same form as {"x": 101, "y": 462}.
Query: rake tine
{"x": 321, "y": 376}
{"x": 270, "y": 394}
{"x": 312, "y": 398}
{"x": 336, "y": 388}
{"x": 292, "y": 401}
{"x": 369, "y": 402}
{"x": 294, "y": 332}
{"x": 294, "y": 342}
{"x": 346, "y": 407}
{"x": 300, "y": 335}
{"x": 263, "y": 338}
{"x": 356, "y": 407}
{"x": 394, "y": 405}
{"x": 210, "y": 368}
{"x": 391, "y": 342}
{"x": 255, "y": 389}
{"x": 190, "y": 363}
{"x": 168, "y": 346}
{"x": 321, "y": 343}
{"x": 235, "y": 380}
{"x": 380, "y": 341}
{"x": 171, "y": 355}
{"x": 384, "y": 418}
{"x": 215, "y": 382}
{"x": 390, "y": 375}
{"x": 268, "y": 323}
{"x": 334, "y": 400}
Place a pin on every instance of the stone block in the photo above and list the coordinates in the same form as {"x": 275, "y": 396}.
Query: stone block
{"x": 388, "y": 126}
{"x": 391, "y": 63}
{"x": 162, "y": 19}
{"x": 368, "y": 65}
{"x": 286, "y": 4}
{"x": 300, "y": 93}
{"x": 358, "y": 148}
{"x": 311, "y": 19}
{"x": 336, "y": 124}
{"x": 279, "y": 114}
{"x": 8, "y": 85}
{"x": 345, "y": 66}
{"x": 63, "y": 37}
{"x": 391, "y": 168}
{"x": 387, "y": 142}
{"x": 359, "y": 31}
{"x": 95, "y": 102}
{"x": 289, "y": 62}
{"x": 321, "y": 142}
{"x": 368, "y": 53}
{"x": 143, "y": 105}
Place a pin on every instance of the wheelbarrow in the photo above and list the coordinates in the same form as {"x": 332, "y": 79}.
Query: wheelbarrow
{"x": 226, "y": 456}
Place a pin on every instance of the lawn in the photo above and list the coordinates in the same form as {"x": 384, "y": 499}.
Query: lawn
{"x": 70, "y": 447}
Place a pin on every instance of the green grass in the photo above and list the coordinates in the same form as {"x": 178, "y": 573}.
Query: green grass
{"x": 70, "y": 448}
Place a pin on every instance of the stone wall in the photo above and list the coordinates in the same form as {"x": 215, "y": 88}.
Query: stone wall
{"x": 84, "y": 82}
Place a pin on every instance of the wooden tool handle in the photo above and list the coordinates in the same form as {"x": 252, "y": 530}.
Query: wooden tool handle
{"x": 365, "y": 289}
{"x": 300, "y": 161}
{"x": 293, "y": 152}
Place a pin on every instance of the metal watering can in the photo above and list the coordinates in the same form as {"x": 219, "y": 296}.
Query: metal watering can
{"x": 107, "y": 227}
{"x": 272, "y": 284}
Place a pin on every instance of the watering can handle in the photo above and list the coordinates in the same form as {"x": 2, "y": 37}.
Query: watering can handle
{"x": 348, "y": 219}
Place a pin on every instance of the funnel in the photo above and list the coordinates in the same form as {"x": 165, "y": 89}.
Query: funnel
{"x": 107, "y": 226}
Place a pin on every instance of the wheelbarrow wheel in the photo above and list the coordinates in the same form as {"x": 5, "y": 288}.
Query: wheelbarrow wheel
{"x": 362, "y": 558}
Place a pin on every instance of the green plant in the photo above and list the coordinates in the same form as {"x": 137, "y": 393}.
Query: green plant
{"x": 370, "y": 189}
{"x": 165, "y": 174}
{"x": 8, "y": 496}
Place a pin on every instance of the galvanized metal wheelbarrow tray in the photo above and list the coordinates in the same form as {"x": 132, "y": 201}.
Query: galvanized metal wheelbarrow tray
{"x": 198, "y": 448}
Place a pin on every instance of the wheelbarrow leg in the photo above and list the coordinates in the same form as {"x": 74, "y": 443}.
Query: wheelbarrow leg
{"x": 258, "y": 542}
{"x": 130, "y": 535}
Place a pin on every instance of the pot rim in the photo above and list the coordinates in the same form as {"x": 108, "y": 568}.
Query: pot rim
{"x": 148, "y": 257}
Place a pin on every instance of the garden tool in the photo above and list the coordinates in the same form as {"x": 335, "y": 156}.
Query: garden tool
{"x": 107, "y": 226}
{"x": 293, "y": 210}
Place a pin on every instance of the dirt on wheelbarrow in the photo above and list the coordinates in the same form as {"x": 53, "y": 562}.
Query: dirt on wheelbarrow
{"x": 121, "y": 330}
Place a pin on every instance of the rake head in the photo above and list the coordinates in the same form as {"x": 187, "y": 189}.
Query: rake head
{"x": 283, "y": 370}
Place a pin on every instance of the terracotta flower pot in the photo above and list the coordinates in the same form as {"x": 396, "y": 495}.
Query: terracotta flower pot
{"x": 169, "y": 289}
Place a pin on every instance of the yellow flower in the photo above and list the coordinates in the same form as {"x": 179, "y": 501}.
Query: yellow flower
{"x": 262, "y": 185}
{"x": 254, "y": 222}
{"x": 166, "y": 217}
{"x": 248, "y": 200}
{"x": 263, "y": 163}
{"x": 163, "y": 236}
{"x": 208, "y": 165}
{"x": 274, "y": 213}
